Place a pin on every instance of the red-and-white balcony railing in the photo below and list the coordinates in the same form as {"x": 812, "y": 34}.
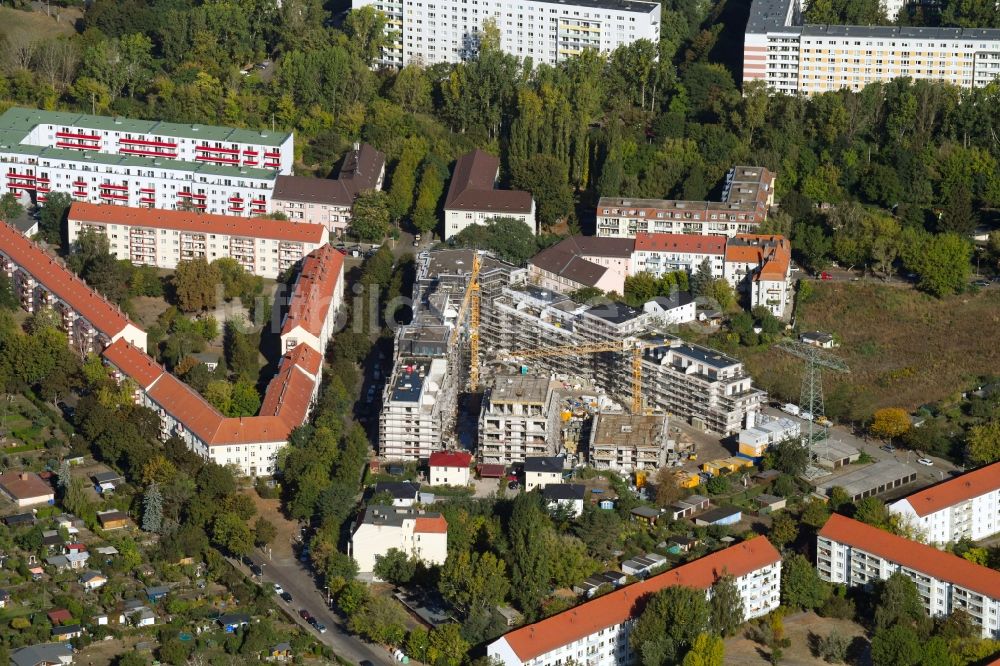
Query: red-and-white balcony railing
{"x": 77, "y": 145}
{"x": 212, "y": 149}
{"x": 112, "y": 186}
{"x": 114, "y": 196}
{"x": 78, "y": 136}
{"x": 146, "y": 152}
{"x": 217, "y": 160}
{"x": 149, "y": 142}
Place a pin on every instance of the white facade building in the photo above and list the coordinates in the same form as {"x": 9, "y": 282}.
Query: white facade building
{"x": 854, "y": 553}
{"x": 415, "y": 409}
{"x": 450, "y": 468}
{"x": 417, "y": 533}
{"x": 473, "y": 198}
{"x": 140, "y": 163}
{"x": 542, "y": 471}
{"x": 40, "y": 280}
{"x": 755, "y": 441}
{"x": 597, "y": 632}
{"x": 659, "y": 254}
{"x": 809, "y": 59}
{"x": 546, "y": 32}
{"x": 519, "y": 418}
{"x": 164, "y": 238}
{"x": 967, "y": 506}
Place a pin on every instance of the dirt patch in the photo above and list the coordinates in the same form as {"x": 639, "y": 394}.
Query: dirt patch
{"x": 147, "y": 309}
{"x": 288, "y": 530}
{"x": 798, "y": 627}
{"x": 904, "y": 348}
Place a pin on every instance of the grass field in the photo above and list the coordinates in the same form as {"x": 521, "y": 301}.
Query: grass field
{"x": 904, "y": 348}
{"x": 38, "y": 24}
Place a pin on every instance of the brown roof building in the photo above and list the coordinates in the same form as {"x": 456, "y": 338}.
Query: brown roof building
{"x": 583, "y": 261}
{"x": 329, "y": 201}
{"x": 26, "y": 489}
{"x": 473, "y": 197}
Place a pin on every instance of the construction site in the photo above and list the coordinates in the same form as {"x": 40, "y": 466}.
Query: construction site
{"x": 499, "y": 366}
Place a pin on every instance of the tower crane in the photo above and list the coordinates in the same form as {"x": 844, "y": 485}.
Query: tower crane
{"x": 470, "y": 304}
{"x": 633, "y": 347}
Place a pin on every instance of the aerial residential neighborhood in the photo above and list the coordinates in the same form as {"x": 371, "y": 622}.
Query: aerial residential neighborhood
{"x": 617, "y": 333}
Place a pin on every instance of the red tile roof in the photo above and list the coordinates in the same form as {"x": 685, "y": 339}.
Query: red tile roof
{"x": 687, "y": 243}
{"x": 972, "y": 484}
{"x": 180, "y": 220}
{"x": 427, "y": 525}
{"x": 450, "y": 459}
{"x": 472, "y": 187}
{"x": 306, "y": 358}
{"x": 59, "y": 616}
{"x": 290, "y": 392}
{"x": 133, "y": 362}
{"x": 616, "y": 607}
{"x": 314, "y": 291}
{"x": 913, "y": 555}
{"x": 24, "y": 485}
{"x": 101, "y": 314}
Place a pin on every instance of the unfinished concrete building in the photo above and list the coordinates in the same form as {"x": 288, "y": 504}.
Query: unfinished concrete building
{"x": 629, "y": 442}
{"x": 417, "y": 409}
{"x": 519, "y": 418}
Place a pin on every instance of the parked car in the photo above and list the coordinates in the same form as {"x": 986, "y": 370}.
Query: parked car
{"x": 825, "y": 276}
{"x": 514, "y": 485}
{"x": 888, "y": 448}
{"x": 278, "y": 589}
{"x": 287, "y": 598}
{"x": 320, "y": 627}
{"x": 304, "y": 614}
{"x": 926, "y": 461}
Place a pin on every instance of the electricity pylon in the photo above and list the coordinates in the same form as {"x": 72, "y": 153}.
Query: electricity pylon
{"x": 811, "y": 395}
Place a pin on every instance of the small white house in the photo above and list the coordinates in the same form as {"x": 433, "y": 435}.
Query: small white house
{"x": 542, "y": 471}
{"x": 417, "y": 533}
{"x": 567, "y": 497}
{"x": 450, "y": 468}
{"x": 93, "y": 580}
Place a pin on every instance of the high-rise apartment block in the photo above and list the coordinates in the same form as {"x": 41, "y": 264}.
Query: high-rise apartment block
{"x": 433, "y": 31}
{"x": 808, "y": 59}
{"x": 141, "y": 163}
{"x": 519, "y": 419}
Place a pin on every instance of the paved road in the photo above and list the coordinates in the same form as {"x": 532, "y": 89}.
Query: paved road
{"x": 298, "y": 581}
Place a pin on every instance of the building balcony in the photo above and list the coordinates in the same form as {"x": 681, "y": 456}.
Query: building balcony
{"x": 210, "y": 149}
{"x": 74, "y": 145}
{"x": 113, "y": 196}
{"x": 147, "y": 152}
{"x": 149, "y": 142}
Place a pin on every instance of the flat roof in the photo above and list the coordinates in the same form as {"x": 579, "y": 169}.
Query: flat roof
{"x": 520, "y": 389}
{"x": 409, "y": 379}
{"x": 640, "y": 430}
{"x": 868, "y": 478}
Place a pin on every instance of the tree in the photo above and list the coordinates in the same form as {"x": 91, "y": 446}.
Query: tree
{"x": 983, "y": 443}
{"x": 548, "y": 181}
{"x": 10, "y": 209}
{"x": 527, "y": 559}
{"x": 509, "y": 238}
{"x": 264, "y": 532}
{"x": 152, "y": 509}
{"x": 365, "y": 28}
{"x": 669, "y": 624}
{"x": 245, "y": 401}
{"x": 395, "y": 567}
{"x": 702, "y": 278}
{"x": 889, "y": 422}
{"x": 381, "y": 620}
{"x": 446, "y": 645}
{"x": 667, "y": 490}
{"x": 872, "y": 511}
{"x": 896, "y": 646}
{"x": 53, "y": 216}
{"x": 720, "y": 291}
{"x": 425, "y": 210}
{"x": 195, "y": 285}
{"x": 941, "y": 262}
{"x": 815, "y": 513}
{"x": 789, "y": 456}
{"x": 707, "y": 650}
{"x": 64, "y": 477}
{"x": 832, "y": 648}
{"x": 220, "y": 394}
{"x": 232, "y": 533}
{"x": 900, "y": 604}
{"x": 726, "y": 606}
{"x": 801, "y": 586}
{"x": 370, "y": 216}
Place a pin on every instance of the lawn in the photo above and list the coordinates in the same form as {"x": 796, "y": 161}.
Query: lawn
{"x": 904, "y": 348}
{"x": 37, "y": 24}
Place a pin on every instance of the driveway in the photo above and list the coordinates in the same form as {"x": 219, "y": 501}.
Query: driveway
{"x": 298, "y": 581}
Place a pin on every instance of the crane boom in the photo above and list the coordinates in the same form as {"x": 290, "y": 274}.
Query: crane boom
{"x": 470, "y": 301}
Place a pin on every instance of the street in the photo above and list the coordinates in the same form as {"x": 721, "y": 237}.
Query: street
{"x": 298, "y": 581}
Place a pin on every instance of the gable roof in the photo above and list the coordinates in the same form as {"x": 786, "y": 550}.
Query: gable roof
{"x": 313, "y": 294}
{"x": 197, "y": 222}
{"x": 913, "y": 555}
{"x": 621, "y": 605}
{"x": 24, "y": 485}
{"x": 289, "y": 393}
{"x": 566, "y": 258}
{"x": 431, "y": 524}
{"x": 135, "y": 363}
{"x": 45, "y": 653}
{"x": 543, "y": 464}
{"x": 49, "y": 271}
{"x": 450, "y": 459}
{"x": 398, "y": 489}
{"x": 360, "y": 172}
{"x": 684, "y": 243}
{"x": 472, "y": 187}
{"x": 563, "y": 491}
{"x": 942, "y": 495}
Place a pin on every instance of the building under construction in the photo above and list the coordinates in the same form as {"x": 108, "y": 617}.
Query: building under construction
{"x": 629, "y": 442}
{"x": 520, "y": 418}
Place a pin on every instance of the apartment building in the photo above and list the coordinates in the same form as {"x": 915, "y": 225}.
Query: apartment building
{"x": 659, "y": 254}
{"x": 707, "y": 388}
{"x": 417, "y": 409}
{"x": 760, "y": 267}
{"x": 164, "y": 238}
{"x": 330, "y": 201}
{"x": 802, "y": 59}
{"x": 629, "y": 442}
{"x": 140, "y": 163}
{"x": 545, "y": 31}
{"x": 314, "y": 301}
{"x": 419, "y": 534}
{"x": 768, "y": 431}
{"x": 40, "y": 280}
{"x": 473, "y": 198}
{"x": 519, "y": 419}
{"x": 967, "y": 506}
{"x": 597, "y": 632}
{"x": 854, "y": 553}
{"x": 747, "y": 194}
{"x": 583, "y": 261}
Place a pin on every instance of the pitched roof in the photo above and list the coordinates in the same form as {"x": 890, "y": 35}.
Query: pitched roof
{"x": 102, "y": 315}
{"x": 60, "y": 615}
{"x": 563, "y": 491}
{"x": 450, "y": 459}
{"x": 431, "y": 525}
{"x": 472, "y": 184}
{"x": 772, "y": 254}
{"x": 536, "y": 639}
{"x": 685, "y": 243}
{"x": 543, "y": 464}
{"x": 24, "y": 485}
{"x": 45, "y": 653}
{"x": 942, "y": 495}
{"x": 135, "y": 363}
{"x": 313, "y": 294}
{"x": 360, "y": 172}
{"x": 181, "y": 220}
{"x": 289, "y": 393}
{"x": 566, "y": 258}
{"x": 398, "y": 489}
{"x": 913, "y": 555}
